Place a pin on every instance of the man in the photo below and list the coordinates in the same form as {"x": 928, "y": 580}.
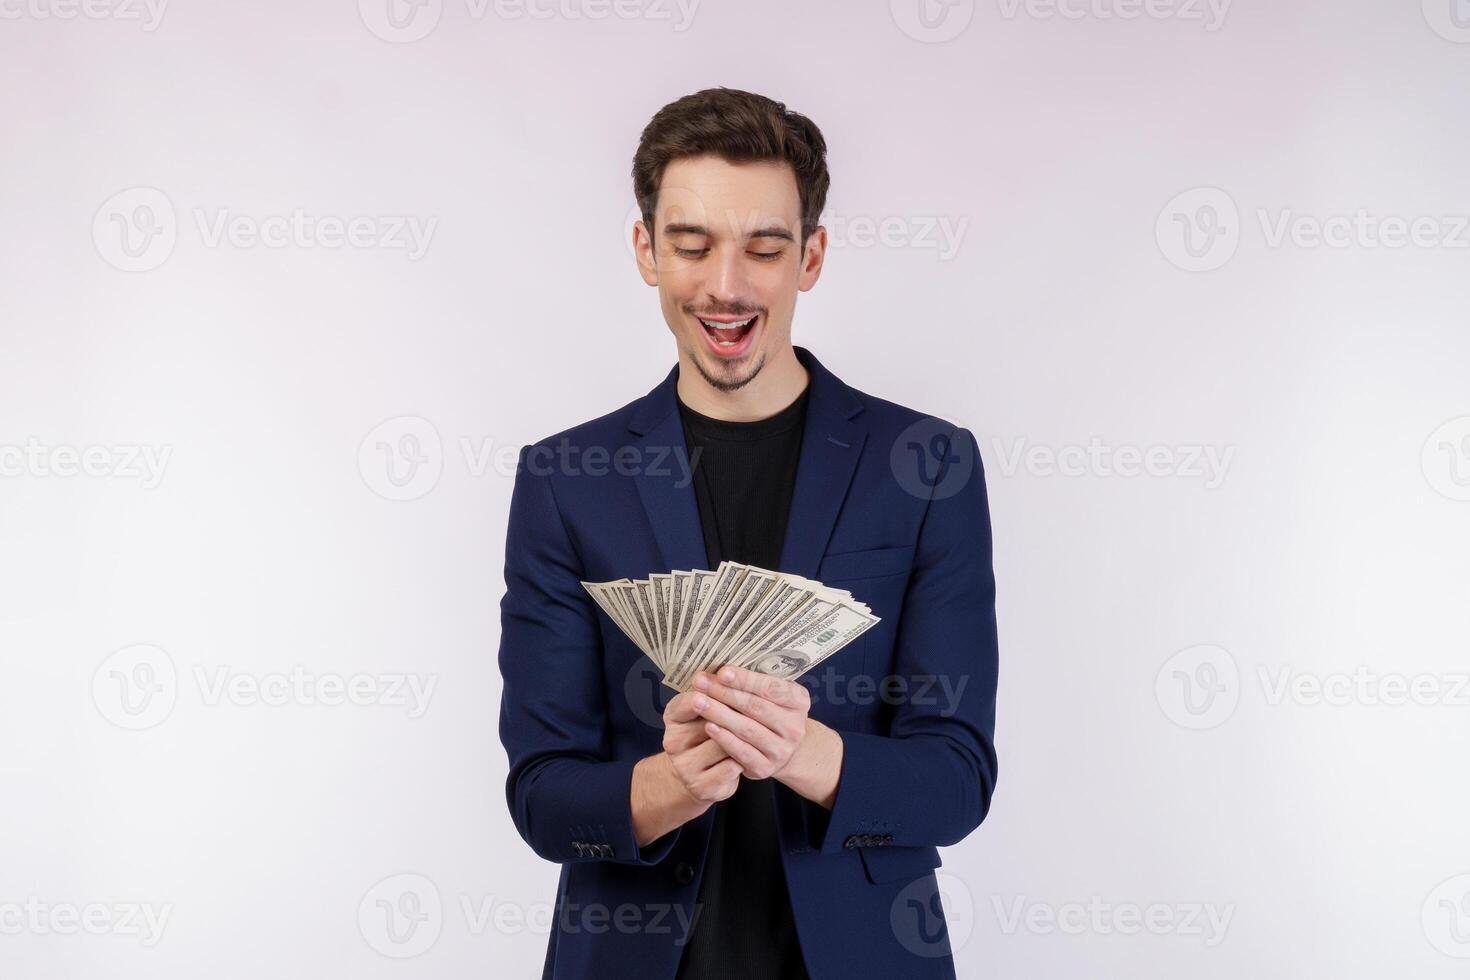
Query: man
{"x": 753, "y": 826}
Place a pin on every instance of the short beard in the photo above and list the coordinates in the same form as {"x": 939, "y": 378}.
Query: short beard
{"x": 719, "y": 384}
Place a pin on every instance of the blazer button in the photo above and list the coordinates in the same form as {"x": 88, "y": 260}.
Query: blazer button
{"x": 683, "y": 872}
{"x": 580, "y": 848}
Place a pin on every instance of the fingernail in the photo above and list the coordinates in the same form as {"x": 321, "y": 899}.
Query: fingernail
{"x": 713, "y": 727}
{"x": 701, "y": 682}
{"x": 701, "y": 702}
{"x": 727, "y": 676}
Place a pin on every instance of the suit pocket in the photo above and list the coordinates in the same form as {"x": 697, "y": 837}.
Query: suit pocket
{"x": 898, "y": 863}
{"x": 852, "y": 566}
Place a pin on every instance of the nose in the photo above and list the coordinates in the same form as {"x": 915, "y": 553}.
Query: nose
{"x": 728, "y": 283}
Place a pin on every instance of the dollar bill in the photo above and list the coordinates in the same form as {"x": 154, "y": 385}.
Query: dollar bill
{"x": 771, "y": 622}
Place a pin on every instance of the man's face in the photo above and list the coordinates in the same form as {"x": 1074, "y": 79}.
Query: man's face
{"x": 727, "y": 258}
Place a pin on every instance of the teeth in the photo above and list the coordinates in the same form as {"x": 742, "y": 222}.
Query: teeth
{"x": 727, "y": 326}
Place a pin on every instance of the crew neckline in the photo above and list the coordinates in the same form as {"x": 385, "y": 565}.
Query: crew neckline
{"x": 787, "y": 418}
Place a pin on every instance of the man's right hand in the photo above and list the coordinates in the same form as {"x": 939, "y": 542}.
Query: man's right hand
{"x": 680, "y": 783}
{"x": 705, "y": 770}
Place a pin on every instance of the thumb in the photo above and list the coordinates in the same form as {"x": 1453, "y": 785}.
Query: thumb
{"x": 680, "y": 709}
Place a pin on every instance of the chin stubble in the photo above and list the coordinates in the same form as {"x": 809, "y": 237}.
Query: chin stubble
{"x": 725, "y": 384}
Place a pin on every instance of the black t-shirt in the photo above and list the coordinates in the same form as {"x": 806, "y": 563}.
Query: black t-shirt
{"x": 743, "y": 479}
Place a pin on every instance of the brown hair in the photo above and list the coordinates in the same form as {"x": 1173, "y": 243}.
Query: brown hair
{"x": 735, "y": 126}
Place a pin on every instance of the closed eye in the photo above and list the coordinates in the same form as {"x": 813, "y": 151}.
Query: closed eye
{"x": 694, "y": 253}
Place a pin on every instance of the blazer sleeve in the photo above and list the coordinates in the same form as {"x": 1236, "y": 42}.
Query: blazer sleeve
{"x": 569, "y": 799}
{"x": 929, "y": 781}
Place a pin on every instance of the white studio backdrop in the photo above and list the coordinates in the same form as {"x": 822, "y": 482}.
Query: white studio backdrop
{"x": 1196, "y": 275}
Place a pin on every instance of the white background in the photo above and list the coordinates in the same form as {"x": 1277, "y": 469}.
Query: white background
{"x": 1054, "y": 147}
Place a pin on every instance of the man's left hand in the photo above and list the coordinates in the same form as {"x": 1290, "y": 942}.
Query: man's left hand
{"x": 759, "y": 720}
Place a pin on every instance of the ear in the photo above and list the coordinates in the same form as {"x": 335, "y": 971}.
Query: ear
{"x": 643, "y": 252}
{"x": 811, "y": 259}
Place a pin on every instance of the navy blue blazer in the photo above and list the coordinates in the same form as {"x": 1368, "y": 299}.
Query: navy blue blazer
{"x": 889, "y": 504}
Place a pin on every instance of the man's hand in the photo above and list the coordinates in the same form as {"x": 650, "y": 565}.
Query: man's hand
{"x": 703, "y": 767}
{"x": 761, "y": 722}
{"x": 684, "y": 780}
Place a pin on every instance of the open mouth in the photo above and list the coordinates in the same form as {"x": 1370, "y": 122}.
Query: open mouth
{"x": 729, "y": 337}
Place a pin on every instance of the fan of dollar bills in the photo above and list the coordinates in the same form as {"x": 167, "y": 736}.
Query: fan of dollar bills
{"x": 770, "y": 622}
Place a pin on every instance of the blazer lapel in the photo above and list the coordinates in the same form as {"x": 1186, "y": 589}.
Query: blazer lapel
{"x": 663, "y": 478}
{"x": 831, "y": 443}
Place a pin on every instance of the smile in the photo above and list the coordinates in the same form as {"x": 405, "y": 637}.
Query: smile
{"x": 727, "y": 336}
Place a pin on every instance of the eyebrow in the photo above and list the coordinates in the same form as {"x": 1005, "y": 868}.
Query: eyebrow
{"x": 770, "y": 231}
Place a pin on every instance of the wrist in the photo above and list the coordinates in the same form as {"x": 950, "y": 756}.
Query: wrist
{"x": 815, "y": 767}
{"x": 660, "y": 801}
{"x": 676, "y": 792}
